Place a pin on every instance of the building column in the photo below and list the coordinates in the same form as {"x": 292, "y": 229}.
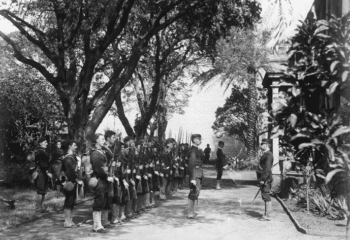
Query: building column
{"x": 345, "y": 7}
{"x": 275, "y": 142}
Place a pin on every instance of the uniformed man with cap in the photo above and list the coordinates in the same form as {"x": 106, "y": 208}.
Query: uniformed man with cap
{"x": 99, "y": 183}
{"x": 70, "y": 170}
{"x": 166, "y": 166}
{"x": 221, "y": 158}
{"x": 156, "y": 179}
{"x": 41, "y": 173}
{"x": 264, "y": 174}
{"x": 195, "y": 171}
{"x": 109, "y": 149}
{"x": 130, "y": 153}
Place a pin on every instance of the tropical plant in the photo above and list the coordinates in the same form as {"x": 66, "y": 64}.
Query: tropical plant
{"x": 239, "y": 57}
{"x": 310, "y": 115}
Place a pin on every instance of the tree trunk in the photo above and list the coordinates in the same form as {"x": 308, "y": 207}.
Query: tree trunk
{"x": 77, "y": 119}
{"x": 252, "y": 118}
{"x": 162, "y": 125}
{"x": 121, "y": 115}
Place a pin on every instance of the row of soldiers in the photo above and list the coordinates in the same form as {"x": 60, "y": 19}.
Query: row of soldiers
{"x": 126, "y": 177}
{"x": 129, "y": 177}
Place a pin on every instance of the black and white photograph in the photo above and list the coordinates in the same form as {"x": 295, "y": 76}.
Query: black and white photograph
{"x": 175, "y": 119}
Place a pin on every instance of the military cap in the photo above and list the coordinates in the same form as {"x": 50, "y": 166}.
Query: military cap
{"x": 264, "y": 141}
{"x": 42, "y": 139}
{"x": 170, "y": 140}
{"x": 140, "y": 142}
{"x": 193, "y": 136}
{"x": 127, "y": 139}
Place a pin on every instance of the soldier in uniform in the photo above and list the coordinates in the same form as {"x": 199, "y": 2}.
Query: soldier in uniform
{"x": 166, "y": 165}
{"x": 129, "y": 153}
{"x": 109, "y": 148}
{"x": 56, "y": 164}
{"x": 186, "y": 149}
{"x": 264, "y": 174}
{"x": 100, "y": 190}
{"x": 207, "y": 151}
{"x": 138, "y": 179}
{"x": 195, "y": 171}
{"x": 147, "y": 176}
{"x": 42, "y": 169}
{"x": 70, "y": 170}
{"x": 182, "y": 166}
{"x": 155, "y": 170}
{"x": 220, "y": 164}
{"x": 122, "y": 173}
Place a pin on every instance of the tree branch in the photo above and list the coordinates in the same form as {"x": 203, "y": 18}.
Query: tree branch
{"x": 121, "y": 115}
{"x": 9, "y": 16}
{"x": 19, "y": 56}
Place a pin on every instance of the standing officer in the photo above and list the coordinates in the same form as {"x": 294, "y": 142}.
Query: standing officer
{"x": 195, "y": 171}
{"x": 220, "y": 164}
{"x": 264, "y": 174}
{"x": 99, "y": 182}
{"x": 70, "y": 170}
{"x": 42, "y": 169}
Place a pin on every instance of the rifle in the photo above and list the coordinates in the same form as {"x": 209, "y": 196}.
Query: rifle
{"x": 138, "y": 170}
{"x": 117, "y": 187}
{"x": 111, "y": 174}
{"x": 132, "y": 178}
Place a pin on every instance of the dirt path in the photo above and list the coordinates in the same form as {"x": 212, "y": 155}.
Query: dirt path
{"x": 219, "y": 217}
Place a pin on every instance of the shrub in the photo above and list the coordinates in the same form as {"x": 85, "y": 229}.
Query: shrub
{"x": 17, "y": 174}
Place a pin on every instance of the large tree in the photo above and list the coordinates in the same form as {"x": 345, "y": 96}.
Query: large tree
{"x": 78, "y": 40}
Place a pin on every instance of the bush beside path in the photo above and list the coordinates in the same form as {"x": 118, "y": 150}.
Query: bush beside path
{"x": 220, "y": 216}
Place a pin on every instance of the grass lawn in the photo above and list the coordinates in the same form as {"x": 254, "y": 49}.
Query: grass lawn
{"x": 25, "y": 205}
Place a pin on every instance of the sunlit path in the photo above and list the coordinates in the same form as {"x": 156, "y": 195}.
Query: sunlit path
{"x": 219, "y": 217}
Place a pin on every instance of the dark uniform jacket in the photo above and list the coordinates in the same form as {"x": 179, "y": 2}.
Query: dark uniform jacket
{"x": 207, "y": 151}
{"x": 99, "y": 164}
{"x": 221, "y": 159}
{"x": 42, "y": 159}
{"x": 195, "y": 163}
{"x": 166, "y": 160}
{"x": 57, "y": 154}
{"x": 265, "y": 166}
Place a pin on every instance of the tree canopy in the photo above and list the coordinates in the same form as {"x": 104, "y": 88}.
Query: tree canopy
{"x": 82, "y": 41}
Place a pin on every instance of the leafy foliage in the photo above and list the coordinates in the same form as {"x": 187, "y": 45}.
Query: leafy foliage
{"x": 320, "y": 204}
{"x": 309, "y": 116}
{"x": 30, "y": 104}
{"x": 232, "y": 118}
{"x": 239, "y": 54}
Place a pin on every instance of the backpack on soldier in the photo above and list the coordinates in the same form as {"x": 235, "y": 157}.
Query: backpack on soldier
{"x": 86, "y": 164}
